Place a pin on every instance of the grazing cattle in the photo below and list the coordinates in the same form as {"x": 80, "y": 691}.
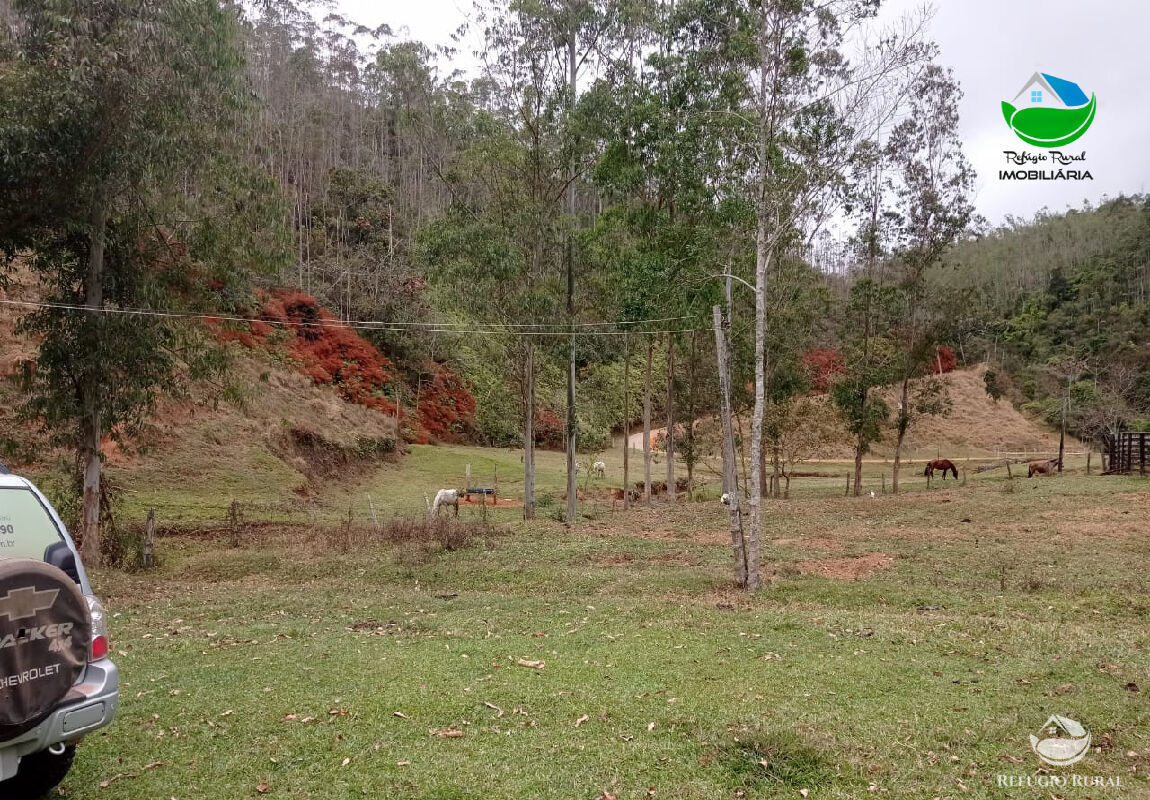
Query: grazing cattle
{"x": 446, "y": 497}
{"x": 1041, "y": 468}
{"x": 940, "y": 464}
{"x": 598, "y": 469}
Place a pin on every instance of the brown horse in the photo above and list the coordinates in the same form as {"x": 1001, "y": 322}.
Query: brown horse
{"x": 942, "y": 464}
{"x": 1041, "y": 468}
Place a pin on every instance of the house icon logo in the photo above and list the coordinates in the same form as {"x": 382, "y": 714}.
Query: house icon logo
{"x": 1061, "y": 741}
{"x": 1049, "y": 111}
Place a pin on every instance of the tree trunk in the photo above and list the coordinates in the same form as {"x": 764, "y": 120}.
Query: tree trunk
{"x": 626, "y": 422}
{"x": 753, "y": 535}
{"x": 902, "y": 424}
{"x": 529, "y": 434}
{"x": 90, "y": 427}
{"x": 647, "y": 425}
{"x": 671, "y": 415}
{"x": 690, "y": 451}
{"x": 860, "y": 445}
{"x": 730, "y": 469}
{"x": 1062, "y": 435}
{"x": 572, "y": 75}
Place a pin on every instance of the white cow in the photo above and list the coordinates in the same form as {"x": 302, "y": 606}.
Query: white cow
{"x": 598, "y": 469}
{"x": 445, "y": 497}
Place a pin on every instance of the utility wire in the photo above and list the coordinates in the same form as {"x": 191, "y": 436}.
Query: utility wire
{"x": 523, "y": 329}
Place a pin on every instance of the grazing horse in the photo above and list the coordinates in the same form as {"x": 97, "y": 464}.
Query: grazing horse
{"x": 447, "y": 497}
{"x": 943, "y": 464}
{"x": 1041, "y": 468}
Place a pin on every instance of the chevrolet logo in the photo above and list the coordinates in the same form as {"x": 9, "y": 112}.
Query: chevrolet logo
{"x": 26, "y": 602}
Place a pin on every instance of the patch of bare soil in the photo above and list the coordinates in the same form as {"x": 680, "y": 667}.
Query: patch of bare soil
{"x": 846, "y": 569}
{"x": 811, "y": 542}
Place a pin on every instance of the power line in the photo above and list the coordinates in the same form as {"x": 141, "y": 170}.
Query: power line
{"x": 521, "y": 328}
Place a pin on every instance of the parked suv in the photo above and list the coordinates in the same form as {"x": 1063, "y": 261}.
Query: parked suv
{"x": 56, "y": 680}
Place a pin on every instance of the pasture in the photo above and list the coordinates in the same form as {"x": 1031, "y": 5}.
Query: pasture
{"x": 903, "y": 647}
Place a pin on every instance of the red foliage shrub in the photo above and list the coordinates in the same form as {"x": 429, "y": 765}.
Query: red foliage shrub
{"x": 550, "y": 430}
{"x": 446, "y": 408}
{"x": 328, "y": 351}
{"x": 823, "y": 365}
{"x": 945, "y": 357}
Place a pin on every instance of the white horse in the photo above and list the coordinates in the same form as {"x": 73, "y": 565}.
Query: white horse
{"x": 598, "y": 469}
{"x": 445, "y": 497}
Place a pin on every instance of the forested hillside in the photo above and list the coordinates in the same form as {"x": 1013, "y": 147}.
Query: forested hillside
{"x": 540, "y": 253}
{"x": 1060, "y": 305}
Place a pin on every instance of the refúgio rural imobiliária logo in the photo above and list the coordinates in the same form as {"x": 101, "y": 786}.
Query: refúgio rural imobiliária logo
{"x": 1050, "y": 113}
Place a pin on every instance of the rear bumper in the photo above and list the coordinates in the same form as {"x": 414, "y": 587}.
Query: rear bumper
{"x": 89, "y": 705}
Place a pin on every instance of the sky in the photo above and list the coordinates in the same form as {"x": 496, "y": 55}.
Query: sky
{"x": 994, "y": 47}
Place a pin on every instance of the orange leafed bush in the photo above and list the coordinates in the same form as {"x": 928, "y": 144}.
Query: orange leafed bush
{"x": 331, "y": 353}
{"x": 944, "y": 359}
{"x": 823, "y": 365}
{"x": 446, "y": 408}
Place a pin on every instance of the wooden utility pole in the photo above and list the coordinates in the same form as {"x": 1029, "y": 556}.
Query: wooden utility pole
{"x": 572, "y": 67}
{"x": 671, "y": 415}
{"x": 730, "y": 466}
{"x": 626, "y": 421}
{"x": 150, "y": 540}
{"x": 647, "y": 425}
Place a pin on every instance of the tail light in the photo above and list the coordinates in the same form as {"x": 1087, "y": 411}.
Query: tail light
{"x": 100, "y": 644}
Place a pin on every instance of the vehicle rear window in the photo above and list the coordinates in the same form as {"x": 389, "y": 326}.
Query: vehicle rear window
{"x": 26, "y": 530}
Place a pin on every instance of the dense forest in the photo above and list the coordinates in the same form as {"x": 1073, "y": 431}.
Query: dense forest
{"x": 549, "y": 251}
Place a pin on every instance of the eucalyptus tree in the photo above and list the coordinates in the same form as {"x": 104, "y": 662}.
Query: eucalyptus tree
{"x": 932, "y": 182}
{"x": 813, "y": 105}
{"x": 122, "y": 181}
{"x": 671, "y": 173}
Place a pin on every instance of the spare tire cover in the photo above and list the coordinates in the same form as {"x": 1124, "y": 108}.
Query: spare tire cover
{"x": 45, "y": 630}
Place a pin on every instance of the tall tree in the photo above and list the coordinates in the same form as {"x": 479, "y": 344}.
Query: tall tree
{"x": 115, "y": 174}
{"x": 932, "y": 185}
{"x": 813, "y": 105}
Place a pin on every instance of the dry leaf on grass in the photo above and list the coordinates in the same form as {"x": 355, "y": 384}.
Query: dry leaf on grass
{"x": 527, "y": 662}
{"x": 263, "y": 788}
{"x": 345, "y": 762}
{"x": 448, "y": 733}
{"x": 581, "y": 720}
{"x": 400, "y": 714}
{"x": 495, "y": 708}
{"x": 104, "y": 784}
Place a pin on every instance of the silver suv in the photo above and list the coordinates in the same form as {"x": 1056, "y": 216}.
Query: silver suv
{"x": 56, "y": 680}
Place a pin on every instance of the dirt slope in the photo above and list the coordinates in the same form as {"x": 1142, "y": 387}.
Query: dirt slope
{"x": 976, "y": 427}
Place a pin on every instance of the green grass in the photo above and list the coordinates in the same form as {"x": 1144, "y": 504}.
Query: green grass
{"x": 999, "y": 608}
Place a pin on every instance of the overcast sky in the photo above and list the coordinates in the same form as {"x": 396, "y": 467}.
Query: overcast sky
{"x": 994, "y": 47}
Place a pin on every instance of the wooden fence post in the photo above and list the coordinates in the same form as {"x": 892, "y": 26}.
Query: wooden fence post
{"x": 374, "y": 519}
{"x": 150, "y": 540}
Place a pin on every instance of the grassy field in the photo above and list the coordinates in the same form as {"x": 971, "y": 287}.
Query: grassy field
{"x": 902, "y": 647}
